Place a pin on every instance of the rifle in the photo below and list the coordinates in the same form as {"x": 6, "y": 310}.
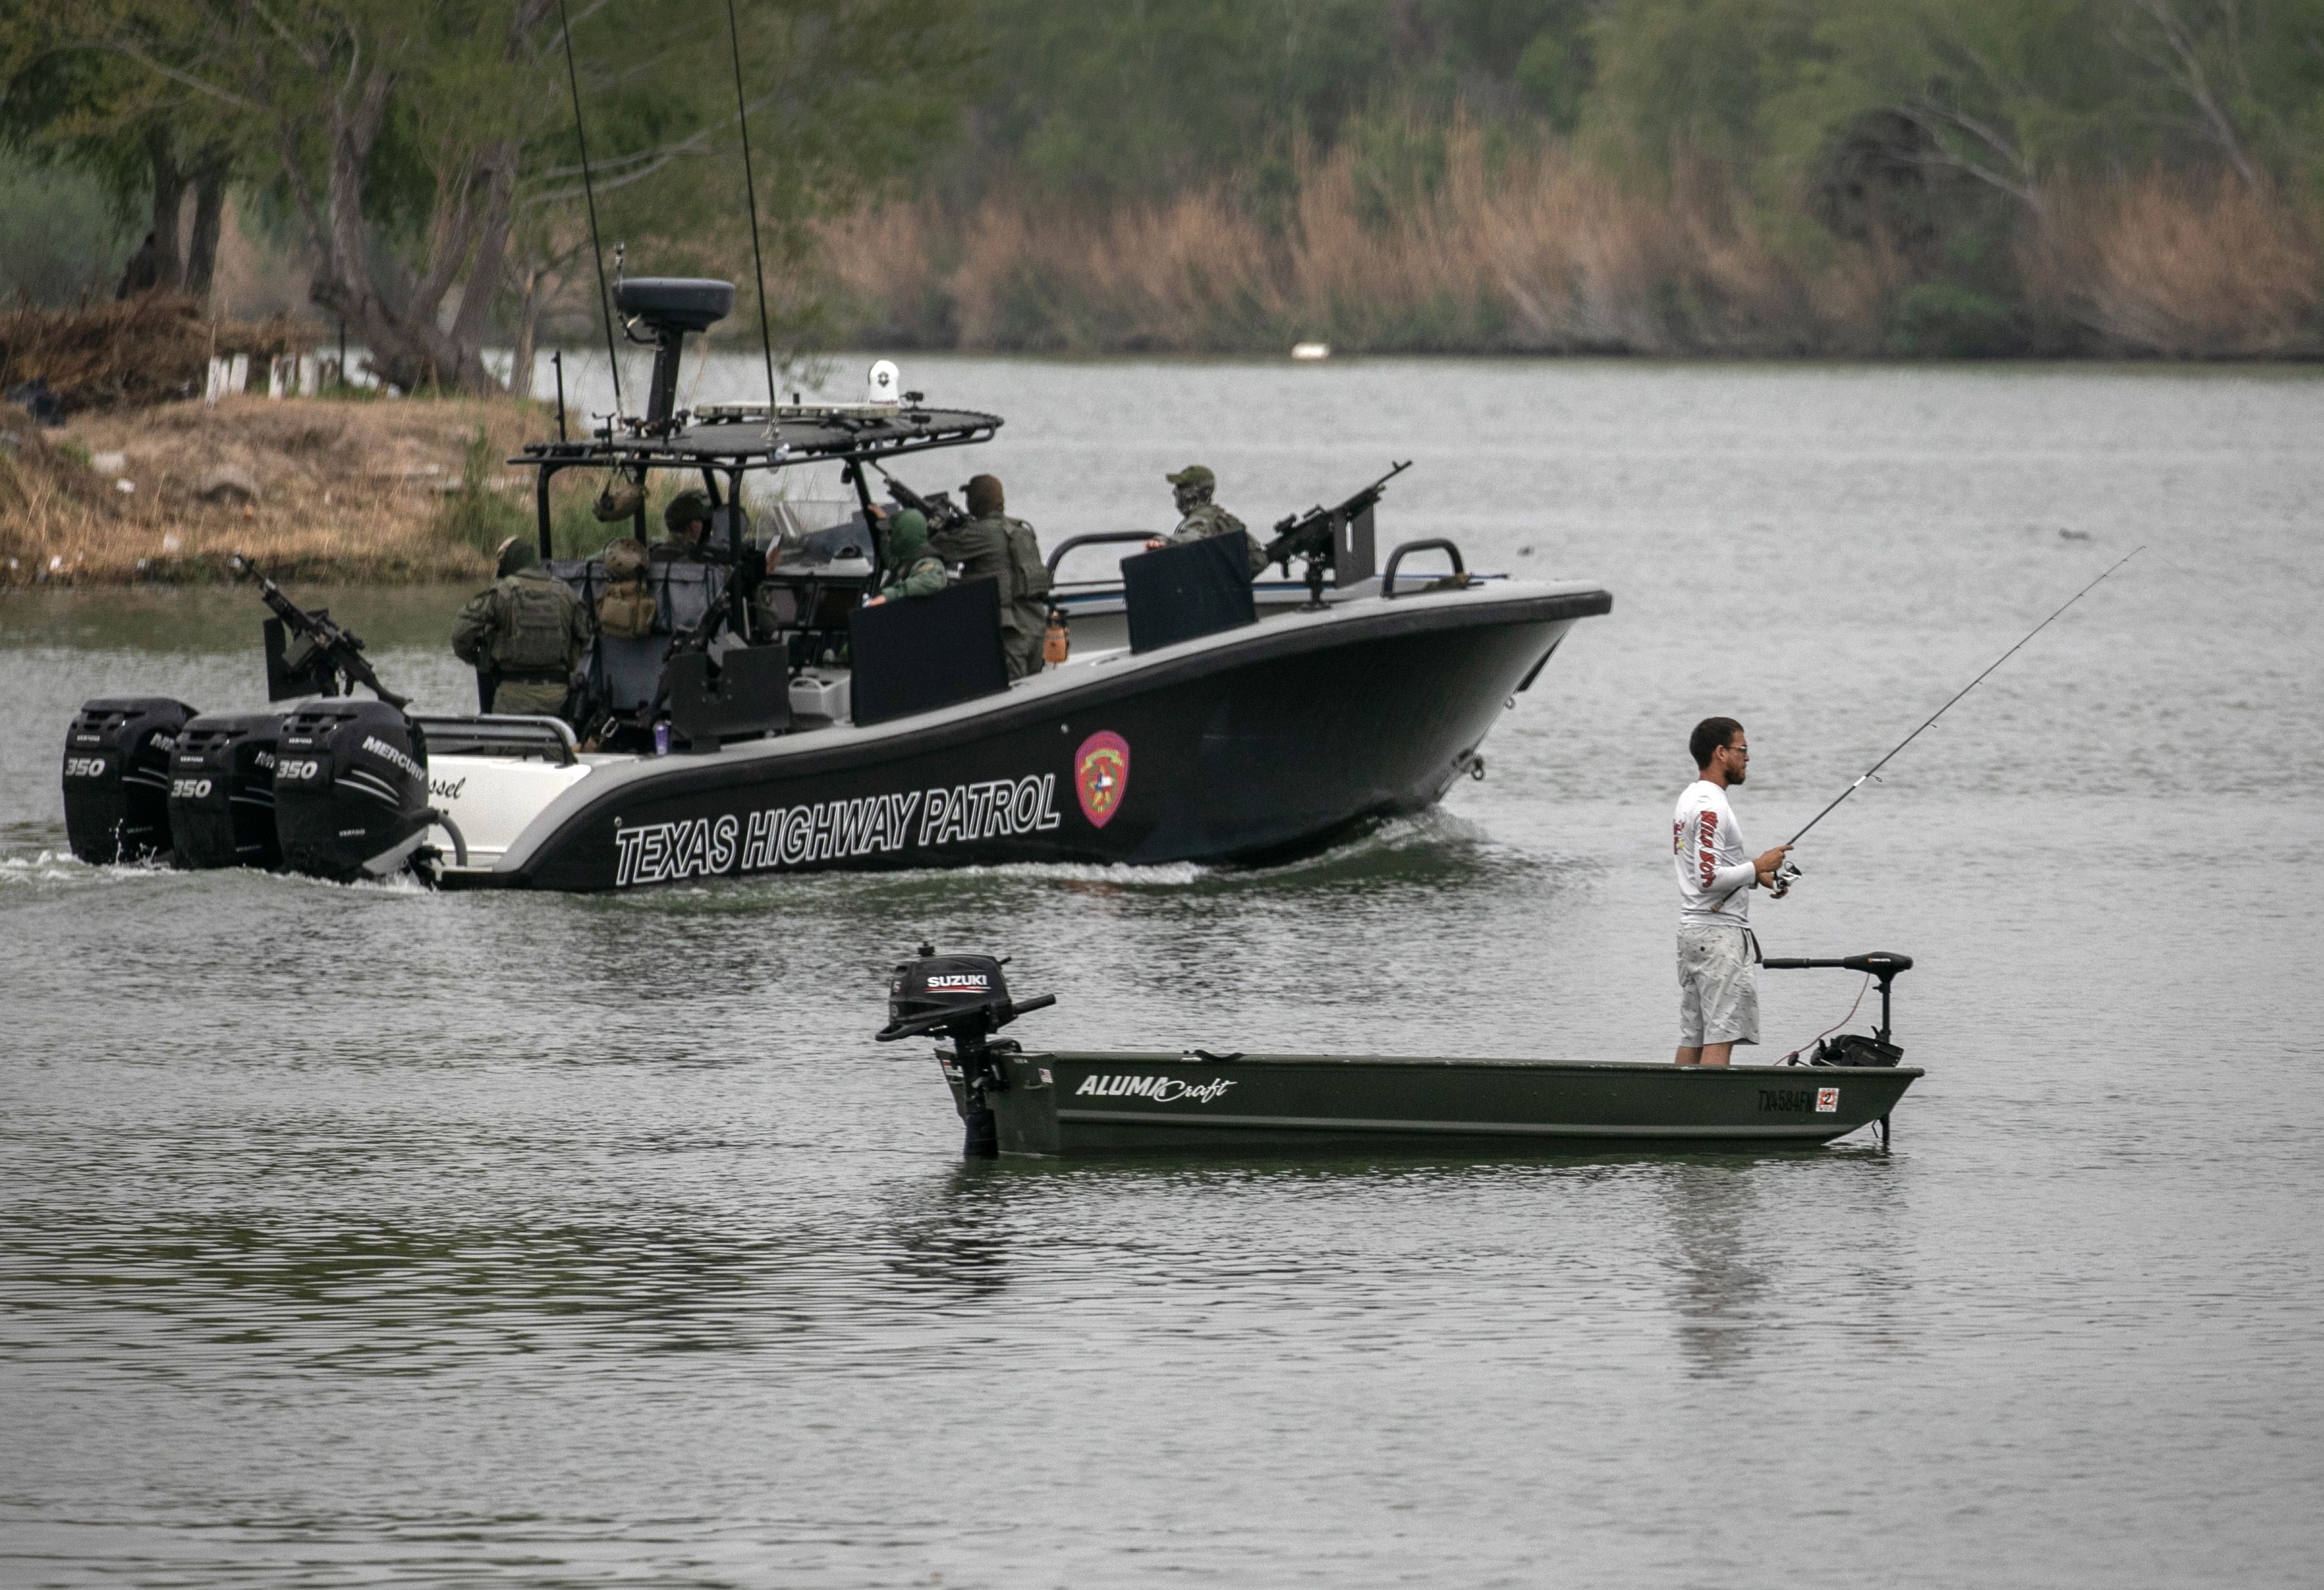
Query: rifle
{"x": 332, "y": 653}
{"x": 1314, "y": 534}
{"x": 937, "y": 507}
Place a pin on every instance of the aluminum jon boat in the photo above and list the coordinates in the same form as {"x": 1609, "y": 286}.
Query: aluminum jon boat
{"x": 1022, "y": 1102}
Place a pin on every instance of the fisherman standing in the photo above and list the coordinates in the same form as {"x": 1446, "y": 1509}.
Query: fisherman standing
{"x": 994, "y": 546}
{"x": 524, "y": 634}
{"x": 1200, "y": 518}
{"x": 917, "y": 571}
{"x": 1718, "y": 994}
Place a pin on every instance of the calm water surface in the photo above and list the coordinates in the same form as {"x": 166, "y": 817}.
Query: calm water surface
{"x": 358, "y": 1234}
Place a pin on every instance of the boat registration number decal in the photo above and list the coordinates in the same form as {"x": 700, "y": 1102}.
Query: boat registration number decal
{"x": 1162, "y": 1090}
{"x": 1823, "y": 1101}
{"x": 833, "y": 830}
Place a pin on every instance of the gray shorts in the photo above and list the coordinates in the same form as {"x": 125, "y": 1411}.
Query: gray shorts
{"x": 1717, "y": 987}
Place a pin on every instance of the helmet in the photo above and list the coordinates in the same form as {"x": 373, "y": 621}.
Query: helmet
{"x": 984, "y": 496}
{"x": 512, "y": 554}
{"x": 621, "y": 498}
{"x": 1194, "y": 475}
{"x": 685, "y": 509}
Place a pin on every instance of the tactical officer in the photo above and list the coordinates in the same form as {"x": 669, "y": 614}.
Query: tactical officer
{"x": 524, "y": 635}
{"x": 994, "y": 546}
{"x": 687, "y": 520}
{"x": 917, "y": 571}
{"x": 1200, "y": 518}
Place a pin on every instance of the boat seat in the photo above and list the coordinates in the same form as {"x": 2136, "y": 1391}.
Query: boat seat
{"x": 626, "y": 672}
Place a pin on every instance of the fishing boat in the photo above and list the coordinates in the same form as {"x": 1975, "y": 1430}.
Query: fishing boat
{"x": 1016, "y": 1101}
{"x": 773, "y": 721}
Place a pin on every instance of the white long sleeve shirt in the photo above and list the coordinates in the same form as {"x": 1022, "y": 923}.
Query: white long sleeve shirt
{"x": 1715, "y": 875}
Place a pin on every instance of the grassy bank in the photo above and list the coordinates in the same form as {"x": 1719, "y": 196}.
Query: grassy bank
{"x": 343, "y": 490}
{"x": 1538, "y": 252}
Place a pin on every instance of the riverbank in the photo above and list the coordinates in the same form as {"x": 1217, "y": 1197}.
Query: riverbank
{"x": 335, "y": 489}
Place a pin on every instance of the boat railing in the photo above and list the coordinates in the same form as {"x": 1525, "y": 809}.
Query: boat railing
{"x": 528, "y": 738}
{"x": 1435, "y": 544}
{"x": 1097, "y": 538}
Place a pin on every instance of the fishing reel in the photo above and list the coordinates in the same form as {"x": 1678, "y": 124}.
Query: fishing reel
{"x": 1786, "y": 876}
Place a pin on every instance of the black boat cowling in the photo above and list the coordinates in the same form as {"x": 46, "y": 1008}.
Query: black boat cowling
{"x": 222, "y": 791}
{"x": 966, "y": 999}
{"x": 350, "y": 789}
{"x": 118, "y": 777}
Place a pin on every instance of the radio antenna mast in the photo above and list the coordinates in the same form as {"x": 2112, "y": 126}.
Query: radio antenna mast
{"x": 589, "y": 191}
{"x": 750, "y": 192}
{"x": 1964, "y": 690}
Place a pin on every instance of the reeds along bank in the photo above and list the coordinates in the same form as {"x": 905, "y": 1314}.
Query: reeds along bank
{"x": 1540, "y": 252}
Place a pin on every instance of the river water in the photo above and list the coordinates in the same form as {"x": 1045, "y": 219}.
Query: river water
{"x": 359, "y": 1234}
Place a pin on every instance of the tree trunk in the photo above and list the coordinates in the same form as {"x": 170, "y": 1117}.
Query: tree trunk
{"x": 169, "y": 203}
{"x": 209, "y": 216}
{"x": 528, "y": 331}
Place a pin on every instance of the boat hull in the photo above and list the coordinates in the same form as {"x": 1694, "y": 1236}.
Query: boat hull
{"x": 1240, "y": 747}
{"x": 1064, "y": 1103}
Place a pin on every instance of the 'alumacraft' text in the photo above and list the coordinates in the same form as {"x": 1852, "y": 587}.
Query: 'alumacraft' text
{"x": 833, "y": 830}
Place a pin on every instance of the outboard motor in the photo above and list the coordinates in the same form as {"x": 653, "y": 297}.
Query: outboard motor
{"x": 350, "y": 789}
{"x": 964, "y": 998}
{"x": 222, "y": 791}
{"x": 118, "y": 777}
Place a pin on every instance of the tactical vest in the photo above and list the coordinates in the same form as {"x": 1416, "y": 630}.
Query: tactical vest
{"x": 626, "y": 608}
{"x": 533, "y": 632}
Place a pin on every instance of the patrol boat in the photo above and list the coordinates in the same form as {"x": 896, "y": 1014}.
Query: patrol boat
{"x": 769, "y": 721}
{"x": 1016, "y": 1100}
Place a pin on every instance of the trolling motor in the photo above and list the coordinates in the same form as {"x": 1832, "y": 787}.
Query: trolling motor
{"x": 964, "y": 998}
{"x": 1854, "y": 1048}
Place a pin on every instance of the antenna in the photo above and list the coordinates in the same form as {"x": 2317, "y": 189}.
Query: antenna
{"x": 589, "y": 189}
{"x": 751, "y": 191}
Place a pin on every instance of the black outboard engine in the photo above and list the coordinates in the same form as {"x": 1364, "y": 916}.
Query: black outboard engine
{"x": 350, "y": 789}
{"x": 965, "y": 998}
{"x": 118, "y": 777}
{"x": 222, "y": 791}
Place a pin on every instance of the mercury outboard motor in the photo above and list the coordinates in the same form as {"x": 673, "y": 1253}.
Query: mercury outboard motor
{"x": 350, "y": 789}
{"x": 222, "y": 791}
{"x": 118, "y": 777}
{"x": 964, "y": 998}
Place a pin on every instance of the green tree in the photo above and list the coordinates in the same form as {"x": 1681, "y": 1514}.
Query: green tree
{"x": 418, "y": 144}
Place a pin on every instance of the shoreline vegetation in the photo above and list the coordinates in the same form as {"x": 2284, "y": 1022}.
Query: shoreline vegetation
{"x": 1538, "y": 252}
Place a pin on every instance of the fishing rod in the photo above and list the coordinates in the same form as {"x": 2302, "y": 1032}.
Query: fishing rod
{"x": 1789, "y": 871}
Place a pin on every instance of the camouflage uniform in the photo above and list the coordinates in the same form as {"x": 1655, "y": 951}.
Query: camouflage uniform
{"x": 529, "y": 631}
{"x": 1201, "y": 517}
{"x": 918, "y": 572}
{"x": 994, "y": 546}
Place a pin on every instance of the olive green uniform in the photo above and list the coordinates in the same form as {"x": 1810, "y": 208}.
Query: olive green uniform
{"x": 924, "y": 578}
{"x": 530, "y": 630}
{"x": 1205, "y": 520}
{"x": 1003, "y": 549}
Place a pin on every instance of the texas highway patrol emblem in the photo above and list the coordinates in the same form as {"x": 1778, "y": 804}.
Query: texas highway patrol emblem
{"x": 1102, "y": 776}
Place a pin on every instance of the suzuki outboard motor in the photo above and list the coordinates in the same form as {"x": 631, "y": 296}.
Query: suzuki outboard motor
{"x": 222, "y": 791}
{"x": 118, "y": 777}
{"x": 350, "y": 789}
{"x": 965, "y": 998}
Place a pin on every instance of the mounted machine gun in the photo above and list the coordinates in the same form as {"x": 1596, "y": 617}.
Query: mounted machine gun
{"x": 306, "y": 653}
{"x": 1337, "y": 540}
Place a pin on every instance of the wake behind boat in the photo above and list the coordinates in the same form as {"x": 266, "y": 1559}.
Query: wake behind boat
{"x": 1197, "y": 715}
